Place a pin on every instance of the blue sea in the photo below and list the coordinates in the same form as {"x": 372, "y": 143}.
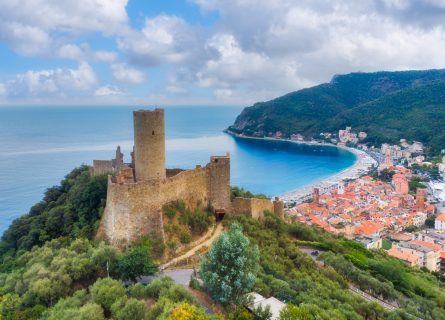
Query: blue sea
{"x": 40, "y": 145}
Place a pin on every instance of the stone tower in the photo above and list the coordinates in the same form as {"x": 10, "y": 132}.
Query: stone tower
{"x": 316, "y": 196}
{"x": 420, "y": 199}
{"x": 219, "y": 182}
{"x": 149, "y": 144}
{"x": 278, "y": 207}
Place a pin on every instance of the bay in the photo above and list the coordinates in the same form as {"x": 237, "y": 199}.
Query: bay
{"x": 40, "y": 145}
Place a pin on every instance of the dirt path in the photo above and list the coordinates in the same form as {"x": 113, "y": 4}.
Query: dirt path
{"x": 192, "y": 251}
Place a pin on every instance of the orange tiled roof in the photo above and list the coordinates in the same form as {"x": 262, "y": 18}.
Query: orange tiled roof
{"x": 426, "y": 244}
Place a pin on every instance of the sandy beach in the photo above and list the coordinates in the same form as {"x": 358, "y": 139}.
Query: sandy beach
{"x": 361, "y": 166}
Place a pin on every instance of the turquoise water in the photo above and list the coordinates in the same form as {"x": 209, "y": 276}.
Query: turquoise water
{"x": 40, "y": 145}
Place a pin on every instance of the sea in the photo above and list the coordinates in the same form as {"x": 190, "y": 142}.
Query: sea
{"x": 40, "y": 145}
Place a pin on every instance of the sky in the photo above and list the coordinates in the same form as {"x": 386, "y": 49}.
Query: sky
{"x": 204, "y": 52}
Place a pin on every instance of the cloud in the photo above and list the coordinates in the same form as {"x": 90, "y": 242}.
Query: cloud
{"x": 286, "y": 45}
{"x": 163, "y": 39}
{"x": 254, "y": 50}
{"x": 107, "y": 91}
{"x": 31, "y": 26}
{"x": 234, "y": 67}
{"x": 51, "y": 82}
{"x": 124, "y": 73}
{"x": 83, "y": 52}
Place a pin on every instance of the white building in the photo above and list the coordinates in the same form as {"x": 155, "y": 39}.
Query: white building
{"x": 258, "y": 301}
{"x": 439, "y": 223}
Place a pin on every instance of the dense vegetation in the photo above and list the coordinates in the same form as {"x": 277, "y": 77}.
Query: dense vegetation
{"x": 293, "y": 276}
{"x": 40, "y": 281}
{"x": 64, "y": 274}
{"x": 384, "y": 104}
{"x": 71, "y": 210}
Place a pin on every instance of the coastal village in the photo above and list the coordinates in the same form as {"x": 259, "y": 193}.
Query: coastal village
{"x": 389, "y": 199}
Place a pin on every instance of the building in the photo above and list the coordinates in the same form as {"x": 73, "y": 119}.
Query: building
{"x": 439, "y": 223}
{"x": 138, "y": 191}
{"x": 420, "y": 199}
{"x": 370, "y": 242}
{"x": 428, "y": 254}
{"x": 257, "y": 301}
{"x": 400, "y": 183}
{"x": 410, "y": 259}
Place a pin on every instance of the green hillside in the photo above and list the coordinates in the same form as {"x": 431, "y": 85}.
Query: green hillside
{"x": 387, "y": 105}
{"x": 51, "y": 268}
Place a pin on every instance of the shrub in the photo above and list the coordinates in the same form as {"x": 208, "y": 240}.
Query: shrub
{"x": 128, "y": 309}
{"x": 170, "y": 212}
{"x": 106, "y": 291}
{"x": 136, "y": 262}
{"x": 155, "y": 287}
{"x": 185, "y": 237}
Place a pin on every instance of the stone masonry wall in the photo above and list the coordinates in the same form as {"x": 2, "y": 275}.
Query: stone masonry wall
{"x": 102, "y": 167}
{"x": 134, "y": 210}
{"x": 253, "y": 207}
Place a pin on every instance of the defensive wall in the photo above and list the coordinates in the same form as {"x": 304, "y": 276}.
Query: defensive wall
{"x": 138, "y": 191}
{"x": 134, "y": 210}
{"x": 255, "y": 207}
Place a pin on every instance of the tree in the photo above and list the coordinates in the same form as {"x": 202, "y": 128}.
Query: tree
{"x": 128, "y": 309}
{"x": 241, "y": 313}
{"x": 293, "y": 312}
{"x": 136, "y": 262}
{"x": 186, "y": 311}
{"x": 229, "y": 269}
{"x": 430, "y": 221}
{"x": 90, "y": 311}
{"x": 106, "y": 291}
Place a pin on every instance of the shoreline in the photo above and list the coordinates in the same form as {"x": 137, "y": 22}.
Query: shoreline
{"x": 362, "y": 165}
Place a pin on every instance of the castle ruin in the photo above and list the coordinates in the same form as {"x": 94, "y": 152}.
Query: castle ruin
{"x": 138, "y": 191}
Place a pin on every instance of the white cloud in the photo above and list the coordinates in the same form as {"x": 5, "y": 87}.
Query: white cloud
{"x": 107, "y": 91}
{"x": 163, "y": 39}
{"x": 124, "y": 73}
{"x": 59, "y": 82}
{"x": 285, "y": 45}
{"x": 85, "y": 53}
{"x": 71, "y": 51}
{"x": 105, "y": 56}
{"x": 31, "y": 26}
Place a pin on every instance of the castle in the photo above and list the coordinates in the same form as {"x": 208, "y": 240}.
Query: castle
{"x": 138, "y": 191}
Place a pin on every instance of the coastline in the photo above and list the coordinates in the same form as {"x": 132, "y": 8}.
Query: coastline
{"x": 362, "y": 165}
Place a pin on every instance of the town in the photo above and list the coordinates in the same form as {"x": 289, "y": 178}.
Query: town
{"x": 395, "y": 203}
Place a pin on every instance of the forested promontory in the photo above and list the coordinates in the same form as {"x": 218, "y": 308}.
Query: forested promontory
{"x": 389, "y": 106}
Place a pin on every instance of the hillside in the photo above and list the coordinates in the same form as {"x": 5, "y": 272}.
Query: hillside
{"x": 384, "y": 104}
{"x": 51, "y": 269}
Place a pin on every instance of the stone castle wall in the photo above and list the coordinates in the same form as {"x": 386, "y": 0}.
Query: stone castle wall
{"x": 134, "y": 210}
{"x": 102, "y": 167}
{"x": 253, "y": 207}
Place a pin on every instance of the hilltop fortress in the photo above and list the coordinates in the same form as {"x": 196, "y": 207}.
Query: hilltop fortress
{"x": 138, "y": 191}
